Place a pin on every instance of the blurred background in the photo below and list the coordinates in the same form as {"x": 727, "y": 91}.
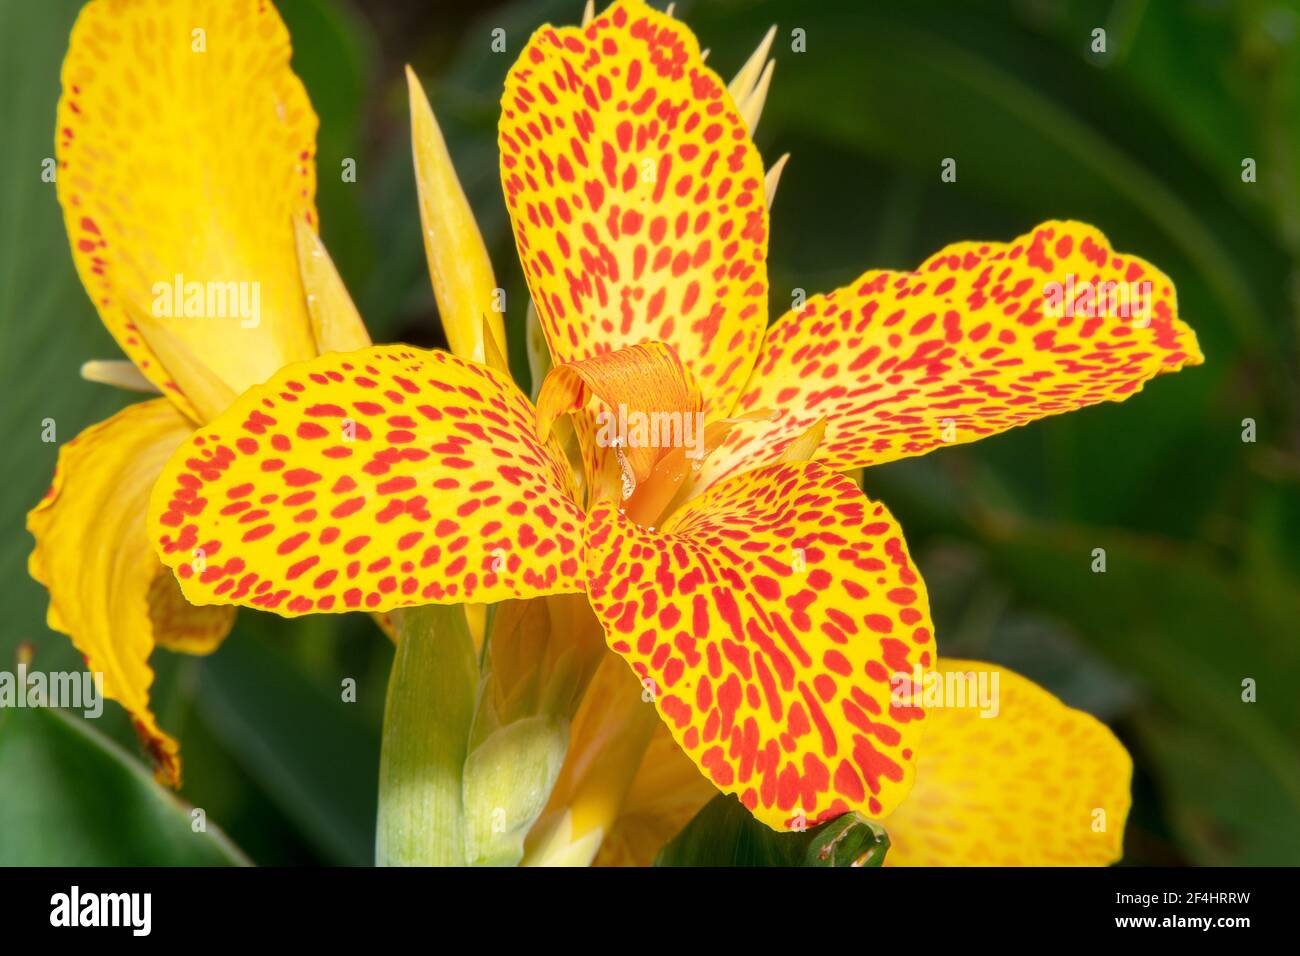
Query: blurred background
{"x": 1146, "y": 141}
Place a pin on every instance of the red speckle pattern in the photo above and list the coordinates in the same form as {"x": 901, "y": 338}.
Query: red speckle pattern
{"x": 370, "y": 480}
{"x": 636, "y": 196}
{"x": 768, "y": 619}
{"x": 891, "y": 358}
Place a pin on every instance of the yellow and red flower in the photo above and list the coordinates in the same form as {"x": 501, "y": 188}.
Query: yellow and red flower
{"x": 761, "y": 599}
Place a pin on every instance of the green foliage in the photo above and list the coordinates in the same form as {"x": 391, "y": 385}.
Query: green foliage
{"x": 73, "y": 798}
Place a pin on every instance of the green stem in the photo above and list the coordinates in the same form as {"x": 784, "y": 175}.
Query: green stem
{"x": 431, "y": 700}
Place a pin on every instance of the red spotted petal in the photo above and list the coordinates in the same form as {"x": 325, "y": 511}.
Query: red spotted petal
{"x": 769, "y": 619}
{"x": 979, "y": 339}
{"x": 371, "y": 480}
{"x": 636, "y": 195}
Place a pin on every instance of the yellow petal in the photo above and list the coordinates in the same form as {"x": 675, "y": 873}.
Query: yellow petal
{"x": 335, "y": 322}
{"x": 771, "y": 618}
{"x": 108, "y": 591}
{"x": 370, "y": 480}
{"x": 965, "y": 346}
{"x": 1038, "y": 784}
{"x": 459, "y": 266}
{"x": 636, "y": 196}
{"x": 186, "y": 145}
{"x": 666, "y": 794}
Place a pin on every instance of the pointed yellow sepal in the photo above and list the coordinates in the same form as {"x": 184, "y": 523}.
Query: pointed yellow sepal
{"x": 208, "y": 394}
{"x": 773, "y": 178}
{"x": 459, "y": 268}
{"x": 749, "y": 87}
{"x": 119, "y": 373}
{"x": 805, "y": 446}
{"x": 335, "y": 322}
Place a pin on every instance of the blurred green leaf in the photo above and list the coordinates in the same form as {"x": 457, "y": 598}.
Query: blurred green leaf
{"x": 1228, "y": 809}
{"x": 302, "y": 743}
{"x": 334, "y": 54}
{"x": 73, "y": 798}
{"x": 724, "y": 833}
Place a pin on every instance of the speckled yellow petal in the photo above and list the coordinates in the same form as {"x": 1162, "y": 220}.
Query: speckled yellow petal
{"x": 636, "y": 196}
{"x": 1039, "y": 784}
{"x": 186, "y": 146}
{"x": 772, "y": 618}
{"x": 980, "y": 338}
{"x": 370, "y": 480}
{"x": 108, "y": 591}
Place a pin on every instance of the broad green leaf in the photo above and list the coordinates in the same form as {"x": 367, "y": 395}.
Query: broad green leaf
{"x": 724, "y": 833}
{"x": 71, "y": 797}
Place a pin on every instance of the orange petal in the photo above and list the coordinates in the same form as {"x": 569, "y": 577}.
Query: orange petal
{"x": 186, "y": 147}
{"x": 636, "y": 195}
{"x": 900, "y": 363}
{"x": 107, "y": 590}
{"x": 370, "y": 480}
{"x": 1035, "y": 783}
{"x": 769, "y": 618}
{"x": 643, "y": 387}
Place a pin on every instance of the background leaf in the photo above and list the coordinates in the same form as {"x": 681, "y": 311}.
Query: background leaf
{"x": 83, "y": 802}
{"x": 724, "y": 833}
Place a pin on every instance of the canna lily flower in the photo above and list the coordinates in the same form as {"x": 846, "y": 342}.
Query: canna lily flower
{"x": 765, "y": 604}
{"x": 186, "y": 164}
